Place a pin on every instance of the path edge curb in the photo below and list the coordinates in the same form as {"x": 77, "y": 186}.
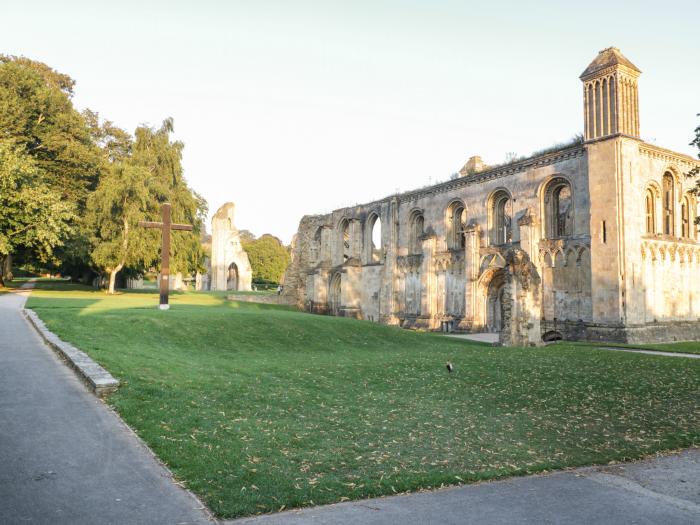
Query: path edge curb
{"x": 97, "y": 378}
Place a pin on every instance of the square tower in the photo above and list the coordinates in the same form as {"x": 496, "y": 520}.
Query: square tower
{"x": 610, "y": 99}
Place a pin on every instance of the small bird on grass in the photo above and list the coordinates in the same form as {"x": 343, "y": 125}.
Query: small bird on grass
{"x": 449, "y": 367}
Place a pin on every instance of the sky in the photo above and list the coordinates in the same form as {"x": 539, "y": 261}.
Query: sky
{"x": 290, "y": 108}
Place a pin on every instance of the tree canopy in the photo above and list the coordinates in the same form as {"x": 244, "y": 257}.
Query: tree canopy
{"x": 145, "y": 175}
{"x": 74, "y": 186}
{"x": 32, "y": 216}
{"x": 37, "y": 113}
{"x": 268, "y": 258}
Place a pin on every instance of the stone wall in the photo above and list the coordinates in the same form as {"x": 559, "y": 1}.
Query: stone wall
{"x": 554, "y": 245}
{"x": 262, "y": 299}
{"x": 230, "y": 268}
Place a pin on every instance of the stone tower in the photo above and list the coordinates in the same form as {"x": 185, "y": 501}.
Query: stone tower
{"x": 230, "y": 267}
{"x": 610, "y": 99}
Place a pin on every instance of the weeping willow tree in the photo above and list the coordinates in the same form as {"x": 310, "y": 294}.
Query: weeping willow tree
{"x": 134, "y": 189}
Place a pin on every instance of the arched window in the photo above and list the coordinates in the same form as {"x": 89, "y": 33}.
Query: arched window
{"x": 500, "y": 218}
{"x": 415, "y": 242}
{"x": 344, "y": 239}
{"x": 669, "y": 204}
{"x": 687, "y": 218}
{"x": 373, "y": 238}
{"x": 650, "y": 207}
{"x": 559, "y": 208}
{"x": 456, "y": 219}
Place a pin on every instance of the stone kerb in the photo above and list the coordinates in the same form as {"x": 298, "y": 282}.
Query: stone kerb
{"x": 97, "y": 378}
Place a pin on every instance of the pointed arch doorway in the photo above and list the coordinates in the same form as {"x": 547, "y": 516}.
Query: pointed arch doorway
{"x": 232, "y": 277}
{"x": 494, "y": 303}
{"x": 334, "y": 294}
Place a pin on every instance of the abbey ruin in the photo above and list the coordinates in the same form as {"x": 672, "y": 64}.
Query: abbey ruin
{"x": 229, "y": 267}
{"x": 592, "y": 241}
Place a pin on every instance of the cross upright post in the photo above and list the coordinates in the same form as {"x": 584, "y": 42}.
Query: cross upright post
{"x": 165, "y": 228}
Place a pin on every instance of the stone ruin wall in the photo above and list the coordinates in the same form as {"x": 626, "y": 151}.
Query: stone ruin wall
{"x": 441, "y": 287}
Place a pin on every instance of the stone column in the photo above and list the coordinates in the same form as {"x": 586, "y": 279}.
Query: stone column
{"x": 471, "y": 269}
{"x": 428, "y": 283}
{"x": 356, "y": 238}
{"x": 390, "y": 281}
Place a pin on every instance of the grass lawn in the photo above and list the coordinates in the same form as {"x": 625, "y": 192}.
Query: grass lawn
{"x": 259, "y": 408}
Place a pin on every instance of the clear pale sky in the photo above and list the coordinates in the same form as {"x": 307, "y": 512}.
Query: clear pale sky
{"x": 296, "y": 107}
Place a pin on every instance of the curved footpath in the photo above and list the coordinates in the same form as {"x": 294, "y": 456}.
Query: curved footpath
{"x": 65, "y": 457}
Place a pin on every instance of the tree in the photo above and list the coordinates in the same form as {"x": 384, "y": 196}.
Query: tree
{"x": 147, "y": 173}
{"x": 268, "y": 258}
{"x": 122, "y": 199}
{"x": 694, "y": 172}
{"x": 32, "y": 216}
{"x": 246, "y": 236}
{"x": 696, "y": 142}
{"x": 36, "y": 112}
{"x": 37, "y": 115}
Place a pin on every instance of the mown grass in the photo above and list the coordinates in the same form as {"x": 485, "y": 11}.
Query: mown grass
{"x": 259, "y": 408}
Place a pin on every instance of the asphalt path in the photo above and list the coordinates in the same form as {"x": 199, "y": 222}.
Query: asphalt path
{"x": 65, "y": 457}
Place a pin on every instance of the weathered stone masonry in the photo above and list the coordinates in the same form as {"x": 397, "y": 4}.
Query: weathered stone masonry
{"x": 592, "y": 241}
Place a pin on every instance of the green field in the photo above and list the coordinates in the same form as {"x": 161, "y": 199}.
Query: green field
{"x": 258, "y": 408}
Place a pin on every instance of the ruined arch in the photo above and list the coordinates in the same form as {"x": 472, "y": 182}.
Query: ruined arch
{"x": 688, "y": 214}
{"x": 416, "y": 225}
{"x": 455, "y": 222}
{"x": 500, "y": 213}
{"x": 232, "y": 277}
{"x": 557, "y": 202}
{"x": 651, "y": 195}
{"x": 489, "y": 289}
{"x": 668, "y": 203}
{"x": 227, "y": 249}
{"x": 374, "y": 241}
{"x": 495, "y": 302}
{"x": 335, "y": 294}
{"x": 343, "y": 240}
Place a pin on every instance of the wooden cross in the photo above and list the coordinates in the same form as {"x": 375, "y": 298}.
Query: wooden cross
{"x": 165, "y": 228}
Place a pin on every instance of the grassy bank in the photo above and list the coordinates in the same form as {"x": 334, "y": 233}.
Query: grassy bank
{"x": 259, "y": 407}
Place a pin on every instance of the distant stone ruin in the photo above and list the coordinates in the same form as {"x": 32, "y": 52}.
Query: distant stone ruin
{"x": 229, "y": 264}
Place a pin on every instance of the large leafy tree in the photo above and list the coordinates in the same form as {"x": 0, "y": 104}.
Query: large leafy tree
{"x": 38, "y": 117}
{"x": 696, "y": 170}
{"x": 142, "y": 176}
{"x": 696, "y": 142}
{"x": 32, "y": 216}
{"x": 268, "y": 258}
{"x": 36, "y": 112}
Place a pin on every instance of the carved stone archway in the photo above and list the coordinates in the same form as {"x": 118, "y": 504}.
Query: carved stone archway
{"x": 510, "y": 299}
{"x": 232, "y": 277}
{"x": 335, "y": 294}
{"x": 494, "y": 303}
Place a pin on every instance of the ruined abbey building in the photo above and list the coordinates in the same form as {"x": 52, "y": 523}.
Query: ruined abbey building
{"x": 595, "y": 240}
{"x": 229, "y": 267}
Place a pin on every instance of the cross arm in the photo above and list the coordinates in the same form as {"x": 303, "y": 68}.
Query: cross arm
{"x": 149, "y": 224}
{"x": 185, "y": 227}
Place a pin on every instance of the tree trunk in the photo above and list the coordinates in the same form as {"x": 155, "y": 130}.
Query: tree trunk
{"x": 7, "y": 268}
{"x": 113, "y": 277}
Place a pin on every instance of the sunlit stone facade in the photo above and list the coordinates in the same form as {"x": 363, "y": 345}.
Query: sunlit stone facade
{"x": 594, "y": 240}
